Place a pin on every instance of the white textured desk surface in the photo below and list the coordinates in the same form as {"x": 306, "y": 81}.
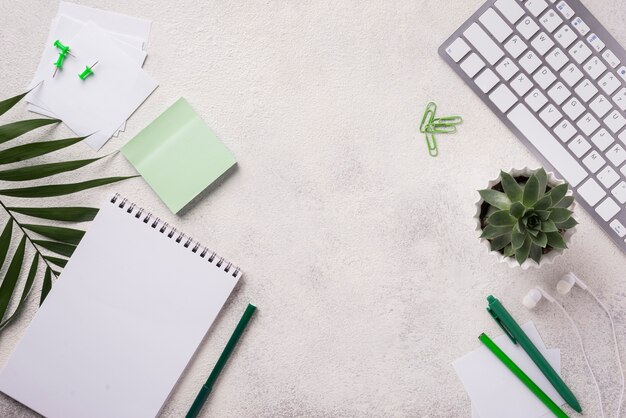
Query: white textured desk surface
{"x": 358, "y": 248}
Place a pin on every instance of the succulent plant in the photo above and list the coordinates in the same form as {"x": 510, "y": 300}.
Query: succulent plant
{"x": 527, "y": 219}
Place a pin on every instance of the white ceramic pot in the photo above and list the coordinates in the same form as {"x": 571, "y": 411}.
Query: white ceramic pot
{"x": 546, "y": 258}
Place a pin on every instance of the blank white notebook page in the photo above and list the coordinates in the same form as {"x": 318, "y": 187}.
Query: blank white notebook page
{"x": 121, "y": 323}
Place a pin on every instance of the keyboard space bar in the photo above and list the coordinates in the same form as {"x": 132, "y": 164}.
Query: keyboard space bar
{"x": 547, "y": 144}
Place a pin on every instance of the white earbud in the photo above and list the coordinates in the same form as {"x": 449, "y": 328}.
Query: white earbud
{"x": 533, "y": 297}
{"x": 567, "y": 282}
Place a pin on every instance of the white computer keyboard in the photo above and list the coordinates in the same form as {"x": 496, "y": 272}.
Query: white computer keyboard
{"x": 557, "y": 78}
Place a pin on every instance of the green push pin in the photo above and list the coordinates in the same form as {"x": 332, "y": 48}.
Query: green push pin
{"x": 88, "y": 71}
{"x": 59, "y": 63}
{"x": 64, "y": 49}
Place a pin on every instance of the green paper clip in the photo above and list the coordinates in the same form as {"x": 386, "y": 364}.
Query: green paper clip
{"x": 431, "y": 144}
{"x": 87, "y": 72}
{"x": 440, "y": 129}
{"x": 448, "y": 120}
{"x": 429, "y": 115}
{"x": 431, "y": 126}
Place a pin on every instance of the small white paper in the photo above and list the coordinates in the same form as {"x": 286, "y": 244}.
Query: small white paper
{"x": 495, "y": 391}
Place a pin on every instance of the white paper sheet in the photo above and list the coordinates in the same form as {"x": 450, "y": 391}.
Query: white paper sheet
{"x": 494, "y": 391}
{"x": 99, "y": 105}
{"x": 120, "y": 325}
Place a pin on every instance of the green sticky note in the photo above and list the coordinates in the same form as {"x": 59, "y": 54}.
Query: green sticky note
{"x": 178, "y": 155}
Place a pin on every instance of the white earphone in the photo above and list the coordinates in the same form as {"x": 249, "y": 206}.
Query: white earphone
{"x": 564, "y": 286}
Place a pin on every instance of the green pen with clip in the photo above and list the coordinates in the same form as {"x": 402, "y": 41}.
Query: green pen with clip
{"x": 515, "y": 333}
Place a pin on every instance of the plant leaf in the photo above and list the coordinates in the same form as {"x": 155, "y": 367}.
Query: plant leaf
{"x": 543, "y": 203}
{"x": 558, "y": 193}
{"x": 549, "y": 226}
{"x": 495, "y": 198}
{"x": 541, "y": 239}
{"x": 27, "y": 286}
{"x": 531, "y": 192}
{"x": 508, "y": 251}
{"x": 535, "y": 253}
{"x": 60, "y": 248}
{"x": 60, "y": 189}
{"x": 500, "y": 242}
{"x": 543, "y": 214}
{"x": 570, "y": 223}
{"x": 560, "y": 214}
{"x": 510, "y": 186}
{"x": 61, "y": 262}
{"x": 46, "y": 286}
{"x": 555, "y": 240}
{"x": 491, "y": 231}
{"x": 35, "y": 172}
{"x": 501, "y": 218}
{"x": 7, "y": 104}
{"x": 521, "y": 254}
{"x": 566, "y": 202}
{"x": 10, "y": 278}
{"x": 67, "y": 214}
{"x": 66, "y": 235}
{"x": 35, "y": 149}
{"x": 5, "y": 241}
{"x": 517, "y": 210}
{"x": 15, "y": 129}
{"x": 542, "y": 178}
{"x": 517, "y": 239}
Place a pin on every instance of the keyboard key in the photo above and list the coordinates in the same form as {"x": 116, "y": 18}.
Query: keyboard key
{"x": 544, "y": 77}
{"x": 503, "y": 97}
{"x": 515, "y": 46}
{"x": 607, "y": 209}
{"x": 618, "y": 228}
{"x": 565, "y": 130}
{"x": 527, "y": 27}
{"x": 622, "y": 72}
{"x": 472, "y": 65}
{"x": 622, "y": 137}
{"x": 580, "y": 26}
{"x": 559, "y": 93}
{"x": 565, "y": 10}
{"x": 600, "y": 105}
{"x": 483, "y": 43}
{"x": 595, "y": 42}
{"x": 594, "y": 67}
{"x": 594, "y": 161}
{"x": 550, "y": 115}
{"x": 608, "y": 176}
{"x": 521, "y": 84}
{"x": 620, "y": 192}
{"x": 536, "y": 100}
{"x": 535, "y": 7}
{"x": 573, "y": 108}
{"x": 547, "y": 144}
{"x": 610, "y": 58}
{"x": 529, "y": 62}
{"x": 565, "y": 36}
{"x": 620, "y": 99}
{"x": 615, "y": 121}
{"x": 486, "y": 80}
{"x": 609, "y": 83}
{"x": 602, "y": 139}
{"x": 458, "y": 49}
{"x": 571, "y": 74}
{"x": 580, "y": 52}
{"x": 579, "y": 146}
{"x": 510, "y": 9}
{"x": 550, "y": 20}
{"x": 557, "y": 59}
{"x": 591, "y": 192}
{"x": 588, "y": 124}
{"x": 495, "y": 25}
{"x": 616, "y": 155}
{"x": 542, "y": 43}
{"x": 507, "y": 68}
{"x": 586, "y": 90}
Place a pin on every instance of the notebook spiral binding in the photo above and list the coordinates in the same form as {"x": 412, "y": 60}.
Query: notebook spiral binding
{"x": 156, "y": 221}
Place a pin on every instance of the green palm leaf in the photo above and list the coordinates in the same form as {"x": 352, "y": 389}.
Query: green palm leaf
{"x": 7, "y": 104}
{"x": 66, "y": 235}
{"x": 61, "y": 262}
{"x": 44, "y": 170}
{"x": 10, "y": 278}
{"x": 27, "y": 286}
{"x": 5, "y": 241}
{"x": 60, "y": 189}
{"x": 67, "y": 214}
{"x": 60, "y": 248}
{"x": 36, "y": 149}
{"x": 15, "y": 129}
{"x": 46, "y": 286}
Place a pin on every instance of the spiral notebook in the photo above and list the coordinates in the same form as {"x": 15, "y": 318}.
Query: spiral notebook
{"x": 122, "y": 321}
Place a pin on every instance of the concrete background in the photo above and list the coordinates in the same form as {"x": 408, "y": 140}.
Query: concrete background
{"x": 358, "y": 248}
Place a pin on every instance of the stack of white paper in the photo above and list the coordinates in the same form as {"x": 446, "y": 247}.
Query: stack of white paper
{"x": 99, "y": 105}
{"x": 495, "y": 391}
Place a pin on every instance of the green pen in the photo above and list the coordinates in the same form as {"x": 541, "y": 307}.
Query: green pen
{"x": 515, "y": 333}
{"x": 519, "y": 373}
